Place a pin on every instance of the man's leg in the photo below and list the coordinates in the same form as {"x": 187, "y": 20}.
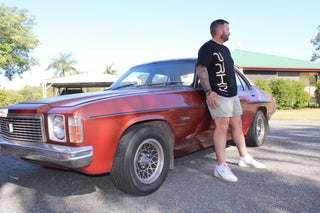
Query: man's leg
{"x": 237, "y": 135}
{"x": 220, "y": 138}
{"x": 239, "y": 140}
{"x": 222, "y": 169}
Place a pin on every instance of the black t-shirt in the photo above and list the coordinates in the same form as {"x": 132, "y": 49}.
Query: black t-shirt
{"x": 217, "y": 58}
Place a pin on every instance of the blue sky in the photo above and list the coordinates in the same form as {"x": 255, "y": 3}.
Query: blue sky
{"x": 126, "y": 33}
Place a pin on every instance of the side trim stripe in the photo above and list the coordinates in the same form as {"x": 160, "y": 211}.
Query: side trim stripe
{"x": 146, "y": 110}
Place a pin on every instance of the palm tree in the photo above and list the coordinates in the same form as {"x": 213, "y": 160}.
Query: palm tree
{"x": 110, "y": 71}
{"x": 63, "y": 65}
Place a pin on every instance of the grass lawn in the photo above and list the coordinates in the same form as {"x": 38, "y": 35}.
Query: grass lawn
{"x": 307, "y": 114}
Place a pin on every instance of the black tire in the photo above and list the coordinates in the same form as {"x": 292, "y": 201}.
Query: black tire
{"x": 141, "y": 162}
{"x": 258, "y": 130}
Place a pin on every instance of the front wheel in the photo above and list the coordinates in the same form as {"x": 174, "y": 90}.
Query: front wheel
{"x": 142, "y": 161}
{"x": 258, "y": 130}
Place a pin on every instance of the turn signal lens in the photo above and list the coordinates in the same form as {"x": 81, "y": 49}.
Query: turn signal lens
{"x": 75, "y": 129}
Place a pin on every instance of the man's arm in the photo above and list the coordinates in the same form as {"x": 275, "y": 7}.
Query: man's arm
{"x": 204, "y": 77}
{"x": 205, "y": 83}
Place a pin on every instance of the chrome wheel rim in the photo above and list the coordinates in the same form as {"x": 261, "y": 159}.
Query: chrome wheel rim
{"x": 260, "y": 129}
{"x": 148, "y": 161}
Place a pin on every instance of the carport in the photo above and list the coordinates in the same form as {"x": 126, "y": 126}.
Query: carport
{"x": 77, "y": 82}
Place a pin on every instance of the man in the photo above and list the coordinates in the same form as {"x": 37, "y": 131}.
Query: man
{"x": 215, "y": 69}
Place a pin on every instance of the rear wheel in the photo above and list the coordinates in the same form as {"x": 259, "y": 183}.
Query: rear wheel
{"x": 142, "y": 161}
{"x": 258, "y": 130}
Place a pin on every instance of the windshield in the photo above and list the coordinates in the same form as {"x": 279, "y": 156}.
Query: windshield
{"x": 170, "y": 73}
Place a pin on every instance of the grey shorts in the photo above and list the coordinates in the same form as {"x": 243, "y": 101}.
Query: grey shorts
{"x": 228, "y": 107}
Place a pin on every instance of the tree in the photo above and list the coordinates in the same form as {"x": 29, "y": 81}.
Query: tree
{"x": 110, "y": 71}
{"x": 316, "y": 42}
{"x": 16, "y": 41}
{"x": 30, "y": 93}
{"x": 8, "y": 97}
{"x": 64, "y": 64}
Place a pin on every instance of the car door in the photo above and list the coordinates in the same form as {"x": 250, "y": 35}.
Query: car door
{"x": 247, "y": 98}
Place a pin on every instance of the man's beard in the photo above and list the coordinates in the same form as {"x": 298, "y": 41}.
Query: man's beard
{"x": 225, "y": 37}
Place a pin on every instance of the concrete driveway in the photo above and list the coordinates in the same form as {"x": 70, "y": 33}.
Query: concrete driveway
{"x": 290, "y": 183}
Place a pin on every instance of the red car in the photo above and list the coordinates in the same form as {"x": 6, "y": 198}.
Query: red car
{"x": 134, "y": 129}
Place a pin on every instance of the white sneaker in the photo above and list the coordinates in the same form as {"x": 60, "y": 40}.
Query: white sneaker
{"x": 224, "y": 172}
{"x": 248, "y": 161}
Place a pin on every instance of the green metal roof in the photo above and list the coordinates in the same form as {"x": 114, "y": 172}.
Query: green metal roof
{"x": 244, "y": 58}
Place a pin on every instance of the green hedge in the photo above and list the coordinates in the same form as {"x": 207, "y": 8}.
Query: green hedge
{"x": 317, "y": 92}
{"x": 289, "y": 94}
{"x": 263, "y": 84}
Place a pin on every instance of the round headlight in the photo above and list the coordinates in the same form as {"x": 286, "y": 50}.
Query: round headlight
{"x": 58, "y": 127}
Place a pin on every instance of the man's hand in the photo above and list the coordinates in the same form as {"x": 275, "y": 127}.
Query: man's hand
{"x": 212, "y": 100}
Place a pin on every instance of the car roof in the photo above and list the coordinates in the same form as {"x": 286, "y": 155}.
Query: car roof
{"x": 168, "y": 60}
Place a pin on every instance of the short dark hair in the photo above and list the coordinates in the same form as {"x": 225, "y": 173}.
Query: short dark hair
{"x": 216, "y": 24}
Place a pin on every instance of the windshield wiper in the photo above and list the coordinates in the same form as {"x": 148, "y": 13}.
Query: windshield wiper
{"x": 161, "y": 83}
{"x": 125, "y": 85}
{"x": 147, "y": 85}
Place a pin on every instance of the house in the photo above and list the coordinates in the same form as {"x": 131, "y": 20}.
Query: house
{"x": 76, "y": 83}
{"x": 255, "y": 65}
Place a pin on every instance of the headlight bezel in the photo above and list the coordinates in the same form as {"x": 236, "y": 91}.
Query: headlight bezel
{"x": 57, "y": 127}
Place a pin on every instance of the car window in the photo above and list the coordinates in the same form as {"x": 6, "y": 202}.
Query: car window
{"x": 136, "y": 78}
{"x": 241, "y": 84}
{"x": 187, "y": 79}
{"x": 167, "y": 73}
{"x": 159, "y": 78}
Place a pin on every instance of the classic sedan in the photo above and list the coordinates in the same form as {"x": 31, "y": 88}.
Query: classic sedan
{"x": 133, "y": 130}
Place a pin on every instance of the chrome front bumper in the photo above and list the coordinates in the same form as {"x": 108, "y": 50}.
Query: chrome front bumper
{"x": 66, "y": 156}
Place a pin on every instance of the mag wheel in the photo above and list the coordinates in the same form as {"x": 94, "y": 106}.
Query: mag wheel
{"x": 148, "y": 161}
{"x": 142, "y": 161}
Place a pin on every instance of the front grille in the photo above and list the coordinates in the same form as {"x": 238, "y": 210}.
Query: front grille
{"x": 22, "y": 127}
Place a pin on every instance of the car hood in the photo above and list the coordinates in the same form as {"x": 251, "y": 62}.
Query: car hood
{"x": 82, "y": 98}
